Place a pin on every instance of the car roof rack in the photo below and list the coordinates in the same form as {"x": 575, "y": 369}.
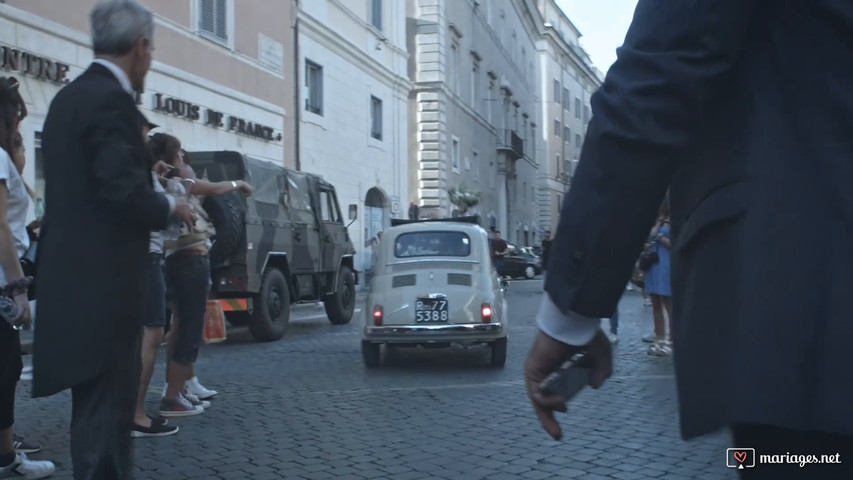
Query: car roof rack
{"x": 475, "y": 219}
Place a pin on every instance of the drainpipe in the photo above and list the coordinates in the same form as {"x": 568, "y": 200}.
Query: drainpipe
{"x": 296, "y": 87}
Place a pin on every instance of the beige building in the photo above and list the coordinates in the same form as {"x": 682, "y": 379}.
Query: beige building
{"x": 353, "y": 99}
{"x": 568, "y": 80}
{"x": 475, "y": 109}
{"x": 221, "y": 77}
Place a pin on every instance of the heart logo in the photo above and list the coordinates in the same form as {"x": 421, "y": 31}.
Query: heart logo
{"x": 740, "y": 457}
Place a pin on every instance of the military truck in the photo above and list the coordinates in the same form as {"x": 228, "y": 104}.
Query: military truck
{"x": 285, "y": 244}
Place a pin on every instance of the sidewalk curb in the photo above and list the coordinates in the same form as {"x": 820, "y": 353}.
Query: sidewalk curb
{"x": 27, "y": 335}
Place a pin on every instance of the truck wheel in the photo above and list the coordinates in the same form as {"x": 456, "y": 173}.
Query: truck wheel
{"x": 529, "y": 272}
{"x": 271, "y": 315}
{"x": 371, "y": 353}
{"x": 499, "y": 352}
{"x": 227, "y": 216}
{"x": 341, "y": 304}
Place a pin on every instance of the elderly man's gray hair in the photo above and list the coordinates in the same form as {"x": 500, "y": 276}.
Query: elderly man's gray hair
{"x": 118, "y": 24}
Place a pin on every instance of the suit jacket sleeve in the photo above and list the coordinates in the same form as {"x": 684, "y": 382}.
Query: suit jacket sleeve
{"x": 120, "y": 169}
{"x": 675, "y": 60}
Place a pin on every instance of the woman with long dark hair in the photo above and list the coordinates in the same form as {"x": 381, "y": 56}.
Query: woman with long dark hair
{"x": 14, "y": 241}
{"x": 188, "y": 278}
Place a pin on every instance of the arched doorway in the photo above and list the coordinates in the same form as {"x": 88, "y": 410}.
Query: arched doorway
{"x": 375, "y": 218}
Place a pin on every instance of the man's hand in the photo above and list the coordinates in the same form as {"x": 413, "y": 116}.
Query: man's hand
{"x": 24, "y": 315}
{"x": 184, "y": 212}
{"x": 545, "y": 356}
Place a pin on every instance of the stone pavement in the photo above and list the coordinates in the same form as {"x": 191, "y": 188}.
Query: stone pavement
{"x": 306, "y": 408}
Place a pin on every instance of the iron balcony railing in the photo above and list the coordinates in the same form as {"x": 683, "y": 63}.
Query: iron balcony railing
{"x": 511, "y": 141}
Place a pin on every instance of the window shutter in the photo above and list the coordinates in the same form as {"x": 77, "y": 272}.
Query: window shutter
{"x": 206, "y": 16}
{"x": 221, "y": 19}
{"x": 377, "y": 14}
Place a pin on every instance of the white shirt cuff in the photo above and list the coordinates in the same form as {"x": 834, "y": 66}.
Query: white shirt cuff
{"x": 171, "y": 200}
{"x": 572, "y": 329}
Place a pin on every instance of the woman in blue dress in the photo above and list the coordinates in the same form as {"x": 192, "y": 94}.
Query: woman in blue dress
{"x": 659, "y": 284}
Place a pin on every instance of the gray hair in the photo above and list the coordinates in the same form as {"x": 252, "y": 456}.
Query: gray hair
{"x": 118, "y": 24}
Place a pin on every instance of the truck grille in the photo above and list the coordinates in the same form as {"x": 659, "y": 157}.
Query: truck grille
{"x": 403, "y": 281}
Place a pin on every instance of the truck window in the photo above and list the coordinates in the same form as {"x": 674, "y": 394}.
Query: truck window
{"x": 299, "y": 197}
{"x": 336, "y": 209}
{"x": 328, "y": 207}
{"x": 324, "y": 207}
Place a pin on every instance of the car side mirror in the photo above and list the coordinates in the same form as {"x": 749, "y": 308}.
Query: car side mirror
{"x": 353, "y": 213}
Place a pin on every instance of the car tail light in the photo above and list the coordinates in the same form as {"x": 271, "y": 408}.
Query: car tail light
{"x": 377, "y": 315}
{"x": 486, "y": 312}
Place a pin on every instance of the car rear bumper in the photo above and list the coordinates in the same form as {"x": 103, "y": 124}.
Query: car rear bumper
{"x": 432, "y": 332}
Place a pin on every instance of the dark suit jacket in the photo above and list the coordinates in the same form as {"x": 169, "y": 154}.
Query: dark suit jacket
{"x": 721, "y": 99}
{"x": 100, "y": 210}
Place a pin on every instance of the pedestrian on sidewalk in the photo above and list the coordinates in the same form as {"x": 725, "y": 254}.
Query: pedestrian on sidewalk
{"x": 14, "y": 242}
{"x": 188, "y": 278}
{"x": 700, "y": 101}
{"x": 100, "y": 209}
{"x": 154, "y": 317}
{"x": 499, "y": 249}
{"x": 659, "y": 286}
{"x": 546, "y": 253}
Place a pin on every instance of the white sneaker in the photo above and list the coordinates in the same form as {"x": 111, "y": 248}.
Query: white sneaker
{"x": 614, "y": 339}
{"x": 194, "y": 387}
{"x": 650, "y": 338}
{"x": 23, "y": 467}
{"x": 195, "y": 400}
{"x": 647, "y": 302}
{"x": 660, "y": 349}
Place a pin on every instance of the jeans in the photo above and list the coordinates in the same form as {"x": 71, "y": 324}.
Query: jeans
{"x": 614, "y": 322}
{"x": 155, "y": 307}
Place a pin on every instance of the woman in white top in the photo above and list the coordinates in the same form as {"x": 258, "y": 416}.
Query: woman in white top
{"x": 14, "y": 241}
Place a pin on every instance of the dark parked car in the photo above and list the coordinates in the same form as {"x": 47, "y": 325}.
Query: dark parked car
{"x": 520, "y": 263}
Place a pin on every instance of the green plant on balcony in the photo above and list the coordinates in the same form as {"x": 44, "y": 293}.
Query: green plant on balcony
{"x": 463, "y": 198}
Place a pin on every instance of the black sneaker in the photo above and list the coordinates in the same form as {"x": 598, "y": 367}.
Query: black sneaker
{"x": 155, "y": 430}
{"x": 158, "y": 420}
{"x": 23, "y": 446}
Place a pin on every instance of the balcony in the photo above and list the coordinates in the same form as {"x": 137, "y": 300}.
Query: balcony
{"x": 511, "y": 142}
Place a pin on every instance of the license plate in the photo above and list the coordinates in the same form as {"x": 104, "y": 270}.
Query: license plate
{"x": 430, "y": 310}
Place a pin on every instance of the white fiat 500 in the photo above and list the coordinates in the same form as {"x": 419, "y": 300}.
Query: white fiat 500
{"x": 434, "y": 286}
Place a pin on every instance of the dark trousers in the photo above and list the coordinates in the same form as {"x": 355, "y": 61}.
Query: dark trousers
{"x": 102, "y": 416}
{"x": 10, "y": 372}
{"x": 790, "y": 446}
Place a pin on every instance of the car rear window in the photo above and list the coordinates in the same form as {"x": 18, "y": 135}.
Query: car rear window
{"x": 430, "y": 244}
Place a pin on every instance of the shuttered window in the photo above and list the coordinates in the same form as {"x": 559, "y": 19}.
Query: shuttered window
{"x": 314, "y": 87}
{"x": 213, "y": 19}
{"x": 376, "y": 13}
{"x": 375, "y": 118}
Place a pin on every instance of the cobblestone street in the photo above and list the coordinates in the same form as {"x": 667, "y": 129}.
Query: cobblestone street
{"x": 306, "y": 408}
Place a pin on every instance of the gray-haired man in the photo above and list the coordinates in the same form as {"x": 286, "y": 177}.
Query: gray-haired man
{"x": 101, "y": 208}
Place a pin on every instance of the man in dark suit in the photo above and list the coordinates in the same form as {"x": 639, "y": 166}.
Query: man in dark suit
{"x": 708, "y": 96}
{"x": 101, "y": 207}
